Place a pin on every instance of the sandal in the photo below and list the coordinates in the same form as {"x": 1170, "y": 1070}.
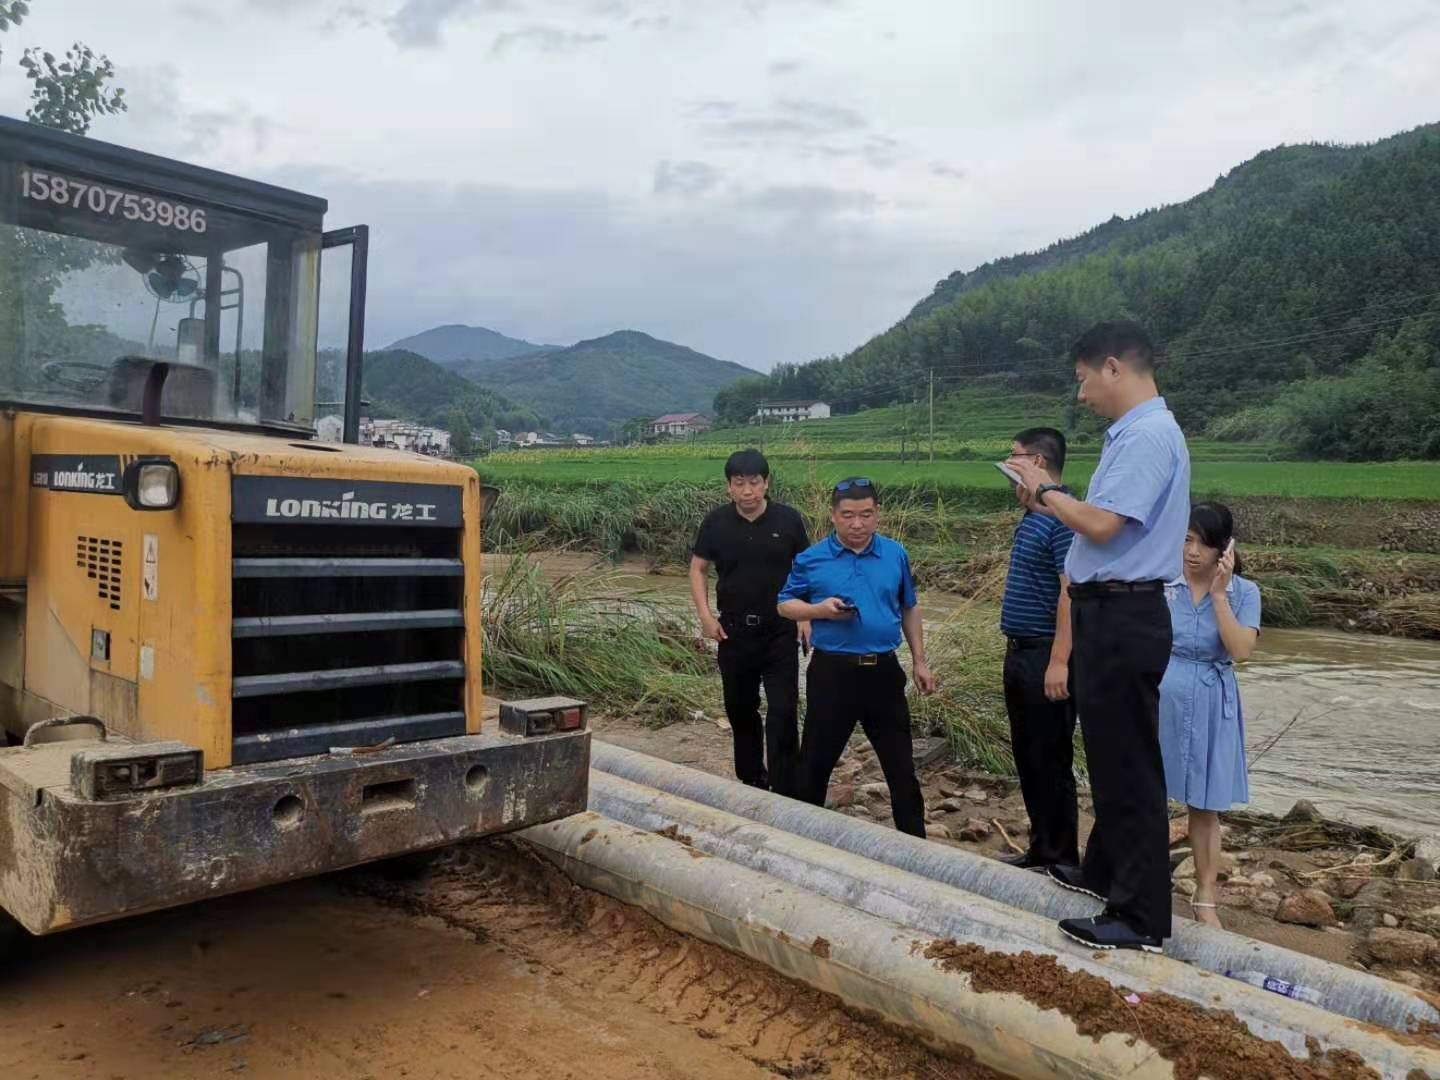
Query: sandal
{"x": 1213, "y": 907}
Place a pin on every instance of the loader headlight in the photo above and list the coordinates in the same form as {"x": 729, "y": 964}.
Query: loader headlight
{"x": 151, "y": 484}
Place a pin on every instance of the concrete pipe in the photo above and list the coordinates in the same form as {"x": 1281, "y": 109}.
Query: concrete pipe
{"x": 869, "y": 963}
{"x": 1349, "y": 993}
{"x": 942, "y": 911}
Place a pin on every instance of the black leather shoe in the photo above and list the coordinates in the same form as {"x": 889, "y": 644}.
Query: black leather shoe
{"x": 1025, "y": 862}
{"x": 1108, "y": 932}
{"x": 1072, "y": 878}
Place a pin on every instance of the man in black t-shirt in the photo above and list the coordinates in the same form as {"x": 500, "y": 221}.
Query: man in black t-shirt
{"x": 751, "y": 543}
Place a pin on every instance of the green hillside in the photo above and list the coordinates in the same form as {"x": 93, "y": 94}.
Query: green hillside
{"x": 594, "y": 386}
{"x": 403, "y": 384}
{"x": 1295, "y": 301}
{"x": 454, "y": 345}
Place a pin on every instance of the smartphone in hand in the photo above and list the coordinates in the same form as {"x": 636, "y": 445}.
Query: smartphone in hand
{"x": 1010, "y": 474}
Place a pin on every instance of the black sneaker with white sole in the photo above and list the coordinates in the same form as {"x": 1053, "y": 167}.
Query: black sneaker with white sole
{"x": 1072, "y": 878}
{"x": 1108, "y": 932}
{"x": 1026, "y": 862}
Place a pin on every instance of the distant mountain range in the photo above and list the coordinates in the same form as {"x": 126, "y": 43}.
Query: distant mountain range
{"x": 456, "y": 344}
{"x": 592, "y": 386}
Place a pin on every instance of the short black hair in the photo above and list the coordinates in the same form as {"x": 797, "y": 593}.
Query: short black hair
{"x": 854, "y": 488}
{"x": 1046, "y": 441}
{"x": 1124, "y": 340}
{"x": 1213, "y": 523}
{"x": 746, "y": 463}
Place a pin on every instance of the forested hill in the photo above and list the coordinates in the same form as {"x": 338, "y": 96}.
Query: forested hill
{"x": 1299, "y": 270}
{"x": 405, "y": 385}
{"x": 594, "y": 386}
{"x": 454, "y": 345}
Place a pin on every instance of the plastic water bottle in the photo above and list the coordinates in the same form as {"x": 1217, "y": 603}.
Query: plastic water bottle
{"x": 1276, "y": 986}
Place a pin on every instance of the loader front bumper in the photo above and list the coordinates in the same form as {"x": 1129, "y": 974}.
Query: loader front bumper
{"x": 68, "y": 861}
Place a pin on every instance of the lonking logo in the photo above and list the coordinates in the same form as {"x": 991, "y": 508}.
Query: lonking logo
{"x": 304, "y": 500}
{"x": 347, "y": 508}
{"x": 79, "y": 479}
{"x": 84, "y": 474}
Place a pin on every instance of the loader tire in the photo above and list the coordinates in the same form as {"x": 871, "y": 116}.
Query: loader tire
{"x": 408, "y": 867}
{"x": 12, "y": 937}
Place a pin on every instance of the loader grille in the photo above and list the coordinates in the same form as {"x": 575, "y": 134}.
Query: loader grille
{"x": 345, "y": 635}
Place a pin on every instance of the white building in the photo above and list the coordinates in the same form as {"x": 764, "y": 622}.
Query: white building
{"x": 406, "y": 435}
{"x": 790, "y": 411}
{"x": 579, "y": 438}
{"x": 679, "y": 424}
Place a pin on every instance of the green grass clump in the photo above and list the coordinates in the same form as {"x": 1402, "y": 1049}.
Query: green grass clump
{"x": 625, "y": 652}
{"x": 966, "y": 654}
{"x": 965, "y": 482}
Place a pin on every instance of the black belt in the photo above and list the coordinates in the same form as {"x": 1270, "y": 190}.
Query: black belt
{"x": 751, "y": 621}
{"x": 1107, "y": 588}
{"x": 1016, "y": 644}
{"x": 857, "y": 659}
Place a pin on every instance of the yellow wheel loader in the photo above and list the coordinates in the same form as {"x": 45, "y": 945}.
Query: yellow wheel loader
{"x": 230, "y": 654}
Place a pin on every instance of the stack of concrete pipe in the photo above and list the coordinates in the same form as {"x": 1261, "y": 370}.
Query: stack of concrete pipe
{"x": 783, "y": 876}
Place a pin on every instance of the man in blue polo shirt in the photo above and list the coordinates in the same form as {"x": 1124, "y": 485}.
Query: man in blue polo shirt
{"x": 856, "y": 587}
{"x": 1035, "y": 619}
{"x": 1129, "y": 536}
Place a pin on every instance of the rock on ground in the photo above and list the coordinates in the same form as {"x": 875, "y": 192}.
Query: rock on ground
{"x": 1403, "y": 948}
{"x": 975, "y": 829}
{"x": 1309, "y": 907}
{"x": 1428, "y": 848}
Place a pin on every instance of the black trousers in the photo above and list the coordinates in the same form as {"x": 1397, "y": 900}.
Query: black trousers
{"x": 1122, "y": 647}
{"x": 1041, "y": 734}
{"x": 840, "y": 694}
{"x": 750, "y": 658}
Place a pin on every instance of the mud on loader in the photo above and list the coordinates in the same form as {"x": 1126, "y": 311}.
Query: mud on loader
{"x": 230, "y": 654}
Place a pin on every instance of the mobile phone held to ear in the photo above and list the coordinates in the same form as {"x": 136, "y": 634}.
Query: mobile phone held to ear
{"x": 1010, "y": 474}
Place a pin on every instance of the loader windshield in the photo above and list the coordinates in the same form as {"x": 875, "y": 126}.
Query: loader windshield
{"x": 100, "y": 279}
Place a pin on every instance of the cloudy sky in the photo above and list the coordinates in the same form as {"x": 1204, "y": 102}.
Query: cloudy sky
{"x": 763, "y": 180}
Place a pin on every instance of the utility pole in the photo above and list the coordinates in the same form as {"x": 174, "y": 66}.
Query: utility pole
{"x": 932, "y": 416}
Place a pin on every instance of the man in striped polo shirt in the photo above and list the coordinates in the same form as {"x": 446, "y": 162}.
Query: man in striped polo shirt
{"x": 1035, "y": 619}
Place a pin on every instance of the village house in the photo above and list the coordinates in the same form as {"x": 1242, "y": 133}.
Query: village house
{"x": 790, "y": 411}
{"x": 405, "y": 435}
{"x": 679, "y": 425}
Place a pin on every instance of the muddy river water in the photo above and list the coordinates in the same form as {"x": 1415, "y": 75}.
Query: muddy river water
{"x": 1365, "y": 742}
{"x": 1357, "y": 716}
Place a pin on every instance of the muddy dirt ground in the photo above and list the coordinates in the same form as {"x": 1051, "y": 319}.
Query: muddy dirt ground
{"x": 486, "y": 965}
{"x": 1335, "y": 897}
{"x": 489, "y": 964}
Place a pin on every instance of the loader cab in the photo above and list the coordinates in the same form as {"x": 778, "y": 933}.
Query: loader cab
{"x": 114, "y": 262}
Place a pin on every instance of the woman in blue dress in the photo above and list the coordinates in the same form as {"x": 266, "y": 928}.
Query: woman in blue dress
{"x": 1215, "y": 616}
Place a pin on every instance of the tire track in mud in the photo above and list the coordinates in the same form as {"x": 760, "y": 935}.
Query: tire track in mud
{"x": 503, "y": 894}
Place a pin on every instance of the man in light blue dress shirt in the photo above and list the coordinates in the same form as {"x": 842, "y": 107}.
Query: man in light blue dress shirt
{"x": 1129, "y": 535}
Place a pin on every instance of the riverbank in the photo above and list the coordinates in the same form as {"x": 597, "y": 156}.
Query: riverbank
{"x": 623, "y": 638}
{"x": 1352, "y": 564}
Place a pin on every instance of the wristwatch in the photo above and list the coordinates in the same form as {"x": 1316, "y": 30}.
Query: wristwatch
{"x": 1045, "y": 489}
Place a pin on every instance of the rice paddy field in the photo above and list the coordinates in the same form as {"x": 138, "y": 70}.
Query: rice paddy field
{"x": 891, "y": 446}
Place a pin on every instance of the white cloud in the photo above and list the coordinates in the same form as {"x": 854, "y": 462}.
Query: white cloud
{"x": 820, "y": 165}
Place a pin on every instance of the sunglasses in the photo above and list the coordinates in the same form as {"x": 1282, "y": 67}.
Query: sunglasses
{"x": 858, "y": 482}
